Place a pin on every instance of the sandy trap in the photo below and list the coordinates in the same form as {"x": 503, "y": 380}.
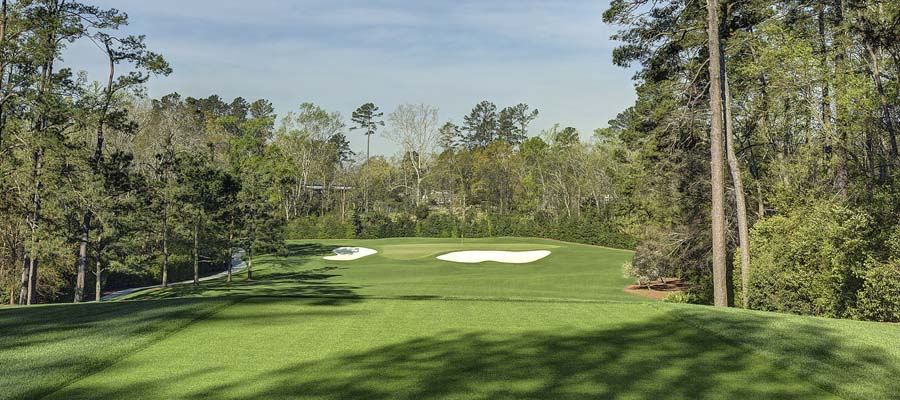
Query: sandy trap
{"x": 508, "y": 257}
{"x": 350, "y": 253}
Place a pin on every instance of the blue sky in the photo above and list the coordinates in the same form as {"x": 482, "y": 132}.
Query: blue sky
{"x": 554, "y": 55}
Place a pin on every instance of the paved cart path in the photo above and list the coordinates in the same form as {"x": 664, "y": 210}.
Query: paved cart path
{"x": 237, "y": 265}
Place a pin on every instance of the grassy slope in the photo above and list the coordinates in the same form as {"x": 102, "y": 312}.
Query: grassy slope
{"x": 402, "y": 325}
{"x": 407, "y": 267}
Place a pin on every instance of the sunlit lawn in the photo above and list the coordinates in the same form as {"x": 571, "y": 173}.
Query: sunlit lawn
{"x": 401, "y": 324}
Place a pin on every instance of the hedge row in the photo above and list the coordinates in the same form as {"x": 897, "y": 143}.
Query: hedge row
{"x": 588, "y": 229}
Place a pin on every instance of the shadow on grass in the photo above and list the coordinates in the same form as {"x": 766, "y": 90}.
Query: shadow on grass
{"x": 273, "y": 276}
{"x": 658, "y": 358}
{"x": 46, "y": 347}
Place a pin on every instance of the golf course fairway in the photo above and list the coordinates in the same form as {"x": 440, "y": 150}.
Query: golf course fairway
{"x": 401, "y": 324}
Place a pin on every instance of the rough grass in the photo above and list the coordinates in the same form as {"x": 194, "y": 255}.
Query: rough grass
{"x": 403, "y": 325}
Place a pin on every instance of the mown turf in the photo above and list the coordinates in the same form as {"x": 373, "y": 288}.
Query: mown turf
{"x": 403, "y": 325}
{"x": 408, "y": 267}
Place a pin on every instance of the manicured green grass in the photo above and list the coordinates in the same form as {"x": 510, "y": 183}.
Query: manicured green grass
{"x": 408, "y": 268}
{"x": 401, "y": 324}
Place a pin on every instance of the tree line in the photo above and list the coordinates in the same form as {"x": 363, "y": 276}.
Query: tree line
{"x": 103, "y": 188}
{"x": 768, "y": 132}
{"x": 97, "y": 183}
{"x": 763, "y": 172}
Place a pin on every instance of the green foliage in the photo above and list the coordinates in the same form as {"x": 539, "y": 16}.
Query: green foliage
{"x": 879, "y": 297}
{"x": 810, "y": 261}
{"x": 682, "y": 298}
{"x": 588, "y": 230}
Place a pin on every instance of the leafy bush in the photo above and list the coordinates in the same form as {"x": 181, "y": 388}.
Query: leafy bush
{"x": 681, "y": 298}
{"x": 643, "y": 275}
{"x": 438, "y": 225}
{"x": 879, "y": 299}
{"x": 325, "y": 227}
{"x": 587, "y": 229}
{"x": 810, "y": 261}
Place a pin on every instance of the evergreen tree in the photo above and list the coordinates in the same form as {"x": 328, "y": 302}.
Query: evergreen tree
{"x": 481, "y": 125}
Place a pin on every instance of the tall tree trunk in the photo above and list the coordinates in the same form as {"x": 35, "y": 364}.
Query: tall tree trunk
{"x": 23, "y": 287}
{"x": 165, "y": 266}
{"x": 249, "y": 253}
{"x": 95, "y": 164}
{"x": 98, "y": 273}
{"x": 717, "y": 159}
{"x": 462, "y": 228}
{"x": 3, "y": 13}
{"x": 82, "y": 257}
{"x": 343, "y": 205}
{"x": 366, "y": 183}
{"x": 740, "y": 198}
{"x": 230, "y": 261}
{"x": 842, "y": 153}
{"x": 32, "y": 280}
{"x": 885, "y": 103}
{"x": 40, "y": 129}
{"x": 823, "y": 60}
{"x": 230, "y": 251}
{"x": 197, "y": 251}
{"x": 33, "y": 224}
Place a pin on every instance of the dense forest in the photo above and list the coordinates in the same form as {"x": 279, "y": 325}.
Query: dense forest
{"x": 782, "y": 139}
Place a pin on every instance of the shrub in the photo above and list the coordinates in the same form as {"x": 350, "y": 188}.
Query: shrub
{"x": 642, "y": 274}
{"x": 587, "y": 229}
{"x": 681, "y": 298}
{"x": 300, "y": 228}
{"x": 879, "y": 299}
{"x": 438, "y": 225}
{"x": 809, "y": 261}
{"x": 402, "y": 226}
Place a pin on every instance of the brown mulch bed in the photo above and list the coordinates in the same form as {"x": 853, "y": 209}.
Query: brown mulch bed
{"x": 659, "y": 289}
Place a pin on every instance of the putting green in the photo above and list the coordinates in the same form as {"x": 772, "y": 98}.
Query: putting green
{"x": 420, "y": 328}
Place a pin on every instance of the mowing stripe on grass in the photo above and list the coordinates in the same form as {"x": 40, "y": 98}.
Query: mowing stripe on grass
{"x": 115, "y": 359}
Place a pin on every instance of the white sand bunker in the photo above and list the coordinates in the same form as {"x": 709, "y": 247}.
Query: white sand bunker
{"x": 350, "y": 253}
{"x": 508, "y": 257}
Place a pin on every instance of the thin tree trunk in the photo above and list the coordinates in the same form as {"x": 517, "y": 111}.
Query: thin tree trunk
{"x": 823, "y": 60}
{"x": 2, "y": 69}
{"x": 197, "y": 252}
{"x": 250, "y": 262}
{"x": 230, "y": 252}
{"x": 95, "y": 163}
{"x": 885, "y": 104}
{"x": 450, "y": 204}
{"x": 842, "y": 179}
{"x": 366, "y": 184}
{"x": 343, "y": 205}
{"x": 39, "y": 131}
{"x": 23, "y": 288}
{"x": 739, "y": 196}
{"x": 165, "y": 266}
{"x": 462, "y": 228}
{"x": 717, "y": 160}
{"x": 82, "y": 257}
{"x": 32, "y": 280}
{"x": 230, "y": 258}
{"x": 35, "y": 220}
{"x": 98, "y": 272}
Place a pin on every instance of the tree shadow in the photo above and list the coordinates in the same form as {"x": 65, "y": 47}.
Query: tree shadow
{"x": 47, "y": 347}
{"x": 309, "y": 249}
{"x": 283, "y": 275}
{"x": 658, "y": 358}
